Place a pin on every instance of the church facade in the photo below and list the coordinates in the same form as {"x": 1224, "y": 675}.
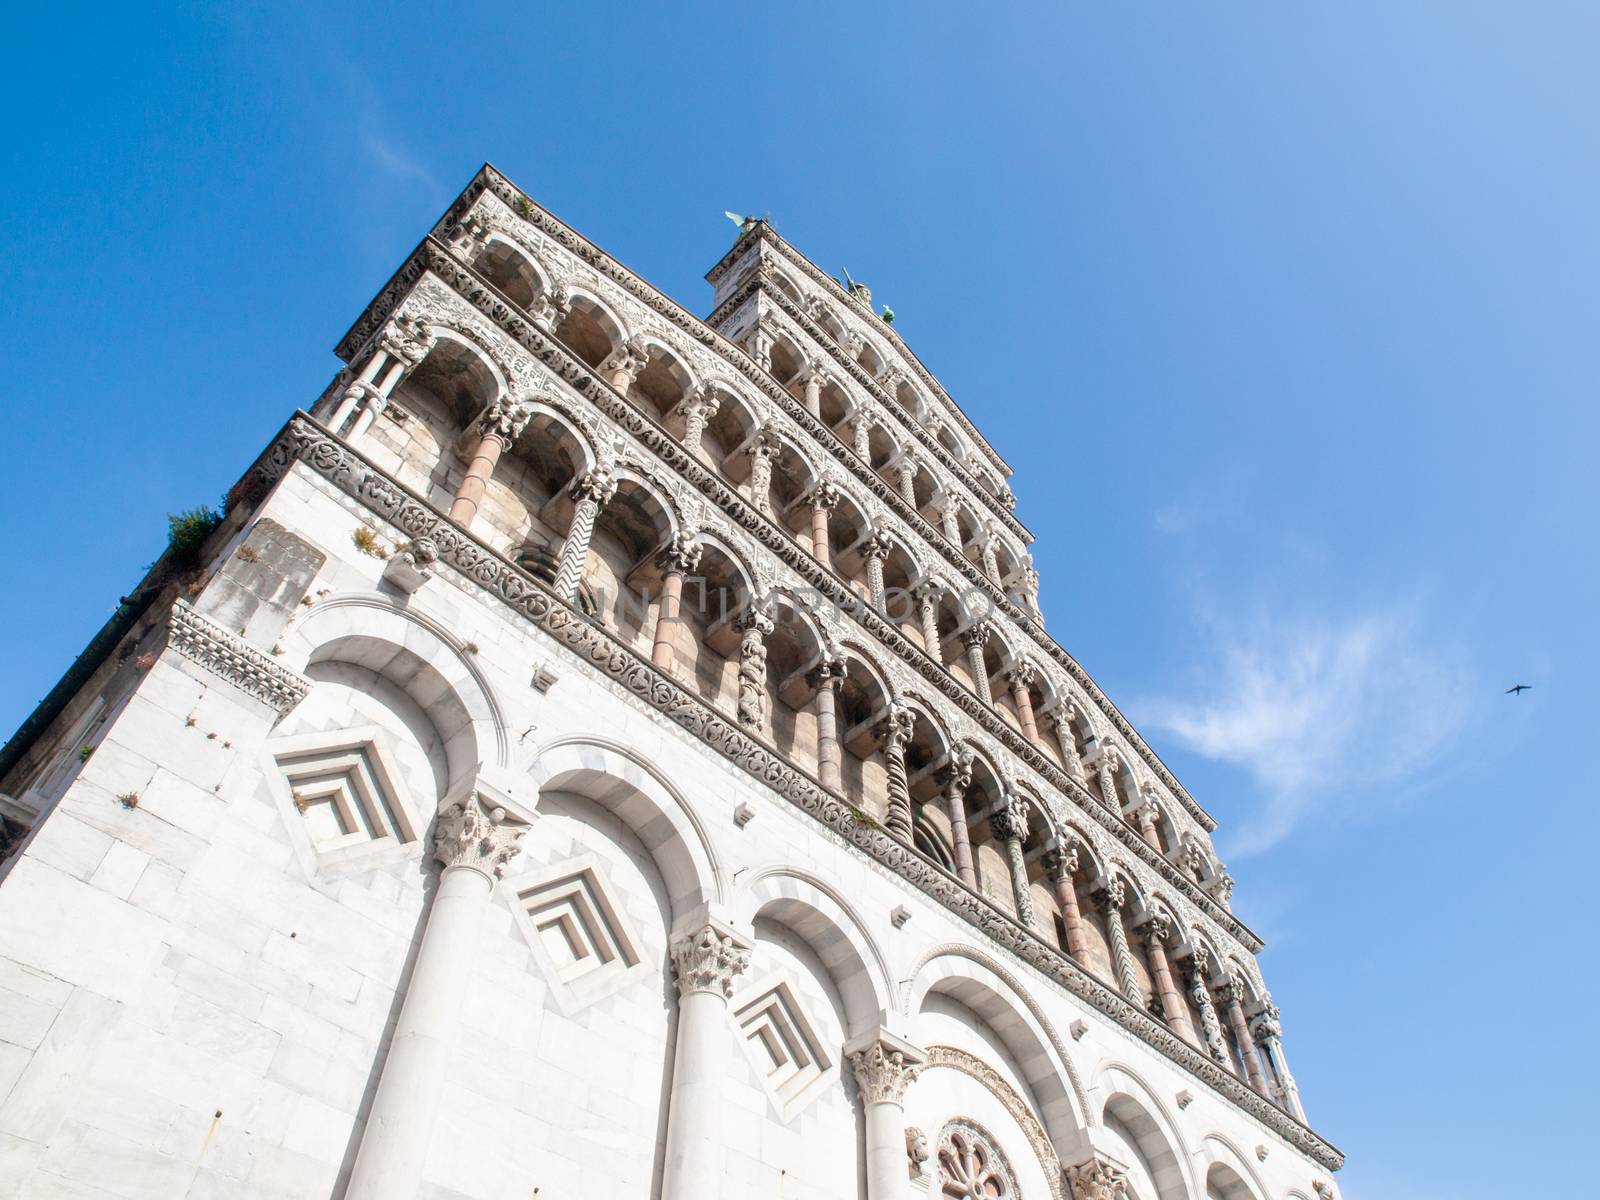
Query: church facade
{"x": 598, "y": 751}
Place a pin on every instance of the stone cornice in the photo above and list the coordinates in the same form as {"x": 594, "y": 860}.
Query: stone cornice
{"x": 228, "y": 656}
{"x": 305, "y": 442}
{"x": 488, "y": 178}
{"x": 765, "y": 232}
{"x": 465, "y": 282}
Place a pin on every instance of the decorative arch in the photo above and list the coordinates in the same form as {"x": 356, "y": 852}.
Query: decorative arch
{"x": 984, "y": 984}
{"x": 1229, "y": 1173}
{"x": 1136, "y": 1107}
{"x": 827, "y": 922}
{"x": 957, "y": 1059}
{"x": 618, "y": 780}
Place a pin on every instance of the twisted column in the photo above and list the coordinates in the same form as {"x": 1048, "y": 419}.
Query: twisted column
{"x": 1267, "y": 1029}
{"x": 975, "y": 638}
{"x": 895, "y": 734}
{"x": 906, "y": 479}
{"x": 824, "y": 497}
{"x": 473, "y": 840}
{"x": 1011, "y": 824}
{"x": 1111, "y": 898}
{"x": 706, "y": 960}
{"x": 826, "y": 677}
{"x": 763, "y": 449}
{"x": 589, "y": 493}
{"x": 1021, "y": 678}
{"x": 927, "y": 596}
{"x": 875, "y": 551}
{"x": 1157, "y": 931}
{"x": 1231, "y": 995}
{"x": 1061, "y": 865}
{"x": 1106, "y": 773}
{"x": 500, "y": 424}
{"x": 698, "y": 409}
{"x": 754, "y": 627}
{"x": 677, "y": 560}
{"x": 1210, "y": 1028}
{"x": 956, "y": 779}
{"x": 991, "y": 562}
{"x": 885, "y": 1066}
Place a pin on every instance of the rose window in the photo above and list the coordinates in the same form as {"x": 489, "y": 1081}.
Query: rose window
{"x": 971, "y": 1167}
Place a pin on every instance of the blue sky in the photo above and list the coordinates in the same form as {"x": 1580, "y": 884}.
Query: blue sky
{"x": 1284, "y": 315}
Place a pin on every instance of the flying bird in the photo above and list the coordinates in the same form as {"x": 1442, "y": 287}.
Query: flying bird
{"x": 1518, "y": 689}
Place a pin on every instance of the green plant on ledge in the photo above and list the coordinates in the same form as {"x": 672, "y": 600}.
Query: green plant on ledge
{"x": 187, "y": 532}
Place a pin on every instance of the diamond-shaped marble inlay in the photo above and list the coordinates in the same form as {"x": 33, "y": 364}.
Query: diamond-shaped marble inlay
{"x": 578, "y": 925}
{"x": 345, "y": 792}
{"x": 781, "y": 1042}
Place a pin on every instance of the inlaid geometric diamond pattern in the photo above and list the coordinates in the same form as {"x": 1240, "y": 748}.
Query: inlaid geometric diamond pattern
{"x": 345, "y": 793}
{"x": 578, "y": 925}
{"x": 781, "y": 1043}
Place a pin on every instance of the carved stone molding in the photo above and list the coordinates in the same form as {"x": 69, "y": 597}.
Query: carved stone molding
{"x": 956, "y": 1059}
{"x": 231, "y": 658}
{"x": 303, "y": 442}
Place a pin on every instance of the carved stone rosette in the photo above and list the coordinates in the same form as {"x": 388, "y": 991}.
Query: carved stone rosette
{"x": 883, "y": 1073}
{"x": 708, "y": 960}
{"x": 476, "y": 836}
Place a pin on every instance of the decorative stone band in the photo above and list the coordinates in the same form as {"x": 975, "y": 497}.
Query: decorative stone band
{"x": 467, "y": 284}
{"x": 974, "y": 1067}
{"x": 883, "y": 1072}
{"x": 574, "y": 243}
{"x": 708, "y": 960}
{"x": 1096, "y": 1179}
{"x": 303, "y": 441}
{"x": 476, "y": 835}
{"x": 229, "y": 657}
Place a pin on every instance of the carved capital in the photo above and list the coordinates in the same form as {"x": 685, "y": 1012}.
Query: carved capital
{"x": 681, "y": 554}
{"x": 877, "y": 546}
{"x": 895, "y": 730}
{"x": 504, "y": 419}
{"x": 1158, "y": 928}
{"x": 709, "y": 959}
{"x": 884, "y": 1071}
{"x": 1022, "y": 675}
{"x": 827, "y": 673}
{"x": 631, "y": 357}
{"x": 476, "y": 834}
{"x": 825, "y": 496}
{"x": 1011, "y": 821}
{"x": 1097, "y": 1179}
{"x": 1112, "y": 896}
{"x": 956, "y": 775}
{"x": 1265, "y": 1025}
{"x": 597, "y": 486}
{"x": 1061, "y": 862}
{"x": 1229, "y": 992}
{"x": 977, "y": 635}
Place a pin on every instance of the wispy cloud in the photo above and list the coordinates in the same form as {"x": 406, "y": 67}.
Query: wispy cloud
{"x": 396, "y": 161}
{"x": 1329, "y": 712}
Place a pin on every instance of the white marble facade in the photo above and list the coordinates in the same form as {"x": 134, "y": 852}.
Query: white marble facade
{"x": 349, "y": 875}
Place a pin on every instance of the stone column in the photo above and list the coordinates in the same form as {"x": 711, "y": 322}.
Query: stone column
{"x": 1210, "y": 1028}
{"x": 1146, "y": 815}
{"x": 957, "y": 778}
{"x": 1096, "y": 1179}
{"x": 1267, "y": 1030}
{"x": 1156, "y": 932}
{"x": 754, "y": 627}
{"x": 874, "y": 552}
{"x": 927, "y": 596}
{"x": 1106, "y": 773}
{"x": 949, "y": 522}
{"x": 501, "y": 423}
{"x": 826, "y": 677}
{"x": 763, "y": 449}
{"x": 677, "y": 560}
{"x": 895, "y": 733}
{"x": 991, "y": 562}
{"x": 403, "y": 344}
{"x": 624, "y": 363}
{"x": 1062, "y": 865}
{"x": 1231, "y": 995}
{"x": 1111, "y": 898}
{"x": 1011, "y": 823}
{"x": 590, "y": 493}
{"x": 885, "y": 1066}
{"x": 1021, "y": 678}
{"x": 706, "y": 960}
{"x": 1061, "y": 719}
{"x": 861, "y": 436}
{"x": 823, "y": 499}
{"x": 759, "y": 344}
{"x": 974, "y": 638}
{"x": 906, "y": 478}
{"x": 472, "y": 840}
{"x": 1030, "y": 591}
{"x": 814, "y": 380}
{"x": 697, "y": 410}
